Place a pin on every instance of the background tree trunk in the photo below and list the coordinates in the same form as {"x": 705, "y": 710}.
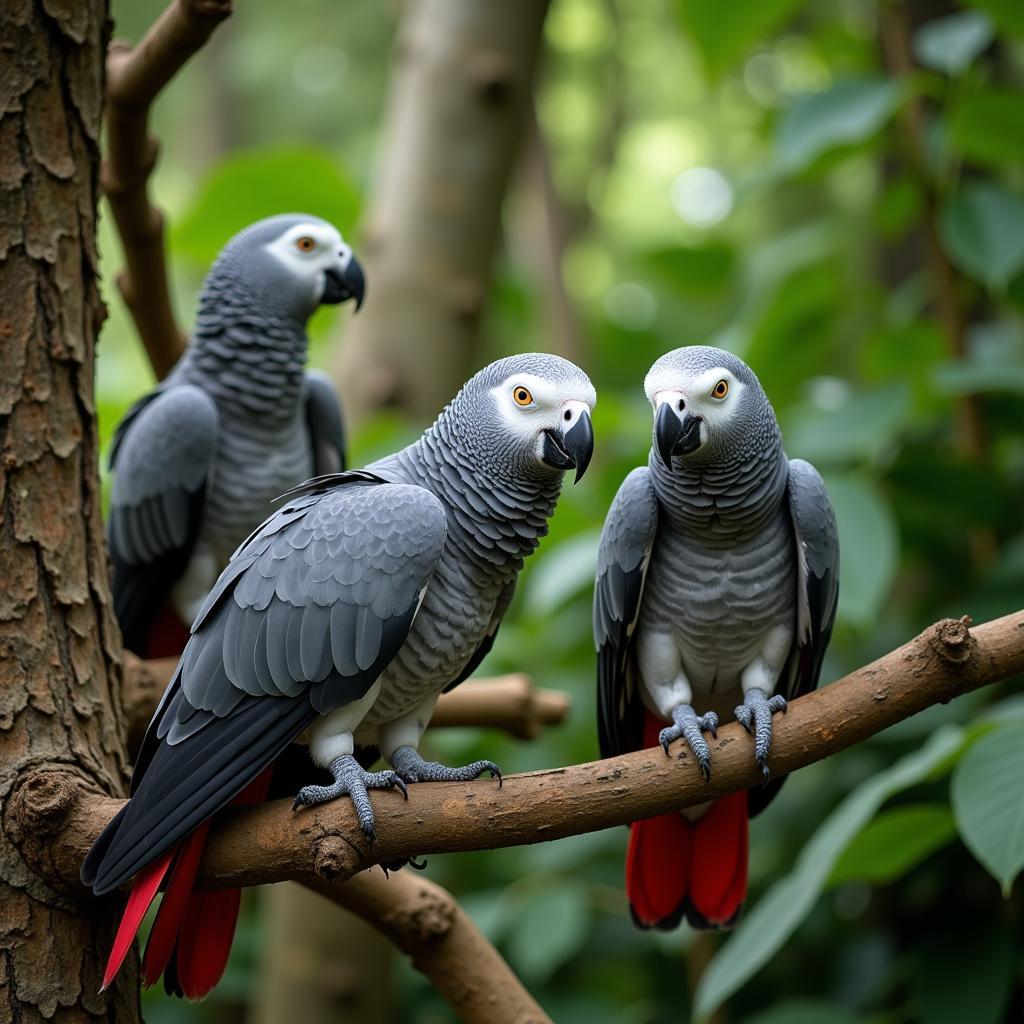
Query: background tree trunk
{"x": 461, "y": 86}
{"x": 59, "y": 644}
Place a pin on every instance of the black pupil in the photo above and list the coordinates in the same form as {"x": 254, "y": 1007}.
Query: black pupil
{"x": 522, "y": 396}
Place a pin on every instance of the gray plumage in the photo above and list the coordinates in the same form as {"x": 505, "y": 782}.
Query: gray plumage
{"x": 238, "y": 421}
{"x": 718, "y": 573}
{"x": 354, "y": 606}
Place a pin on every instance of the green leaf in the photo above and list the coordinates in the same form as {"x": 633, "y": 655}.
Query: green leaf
{"x": 803, "y": 1011}
{"x": 982, "y": 228}
{"x": 893, "y": 843}
{"x": 988, "y": 127}
{"x": 251, "y": 185}
{"x": 988, "y": 803}
{"x": 723, "y": 33}
{"x": 965, "y": 979}
{"x": 701, "y": 273}
{"x": 862, "y": 427}
{"x": 852, "y": 111}
{"x": 950, "y": 44}
{"x": 776, "y": 916}
{"x": 1007, "y": 14}
{"x": 869, "y": 546}
{"x": 552, "y": 928}
{"x": 561, "y": 573}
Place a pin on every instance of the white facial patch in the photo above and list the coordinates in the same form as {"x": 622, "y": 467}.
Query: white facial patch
{"x": 668, "y": 385}
{"x": 309, "y": 249}
{"x": 550, "y": 406}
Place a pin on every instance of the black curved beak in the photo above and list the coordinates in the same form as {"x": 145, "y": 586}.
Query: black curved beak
{"x": 571, "y": 450}
{"x": 341, "y": 285}
{"x": 675, "y": 436}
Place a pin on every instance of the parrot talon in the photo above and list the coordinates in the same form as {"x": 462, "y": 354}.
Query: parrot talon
{"x": 411, "y": 767}
{"x": 755, "y": 715}
{"x": 351, "y": 779}
{"x": 689, "y": 725}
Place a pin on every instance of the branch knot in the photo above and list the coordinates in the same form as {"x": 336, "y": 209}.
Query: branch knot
{"x": 952, "y": 641}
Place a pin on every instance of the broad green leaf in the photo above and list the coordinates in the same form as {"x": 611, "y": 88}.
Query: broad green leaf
{"x": 862, "y": 427}
{"x": 965, "y": 978}
{"x": 894, "y": 842}
{"x": 988, "y": 127}
{"x": 982, "y": 228}
{"x": 950, "y": 44}
{"x": 988, "y": 803}
{"x": 251, "y": 185}
{"x": 561, "y": 573}
{"x": 550, "y": 931}
{"x": 869, "y": 546}
{"x": 851, "y": 111}
{"x": 803, "y": 1011}
{"x": 776, "y": 916}
{"x": 1007, "y": 14}
{"x": 725, "y": 32}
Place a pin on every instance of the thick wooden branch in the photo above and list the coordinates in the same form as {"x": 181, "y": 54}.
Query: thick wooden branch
{"x": 135, "y": 76}
{"x": 428, "y": 925}
{"x": 511, "y": 703}
{"x": 55, "y": 820}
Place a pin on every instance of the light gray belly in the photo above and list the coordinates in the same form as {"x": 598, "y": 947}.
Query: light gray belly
{"x": 449, "y": 627}
{"x": 719, "y": 604}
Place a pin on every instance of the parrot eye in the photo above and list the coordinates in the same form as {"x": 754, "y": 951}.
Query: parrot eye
{"x": 305, "y": 244}
{"x": 721, "y": 389}
{"x": 521, "y": 396}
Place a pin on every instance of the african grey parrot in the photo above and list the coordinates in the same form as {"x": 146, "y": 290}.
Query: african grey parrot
{"x": 717, "y": 583}
{"x": 237, "y": 421}
{"x": 349, "y": 610}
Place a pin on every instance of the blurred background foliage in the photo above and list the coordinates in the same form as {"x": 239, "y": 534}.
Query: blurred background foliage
{"x": 835, "y": 191}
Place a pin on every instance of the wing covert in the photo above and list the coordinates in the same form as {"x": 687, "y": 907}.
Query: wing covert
{"x": 627, "y": 541}
{"x": 163, "y": 456}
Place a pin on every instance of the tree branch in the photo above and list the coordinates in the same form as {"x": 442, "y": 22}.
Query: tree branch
{"x": 54, "y": 819}
{"x": 428, "y": 925}
{"x": 511, "y": 703}
{"x": 134, "y": 78}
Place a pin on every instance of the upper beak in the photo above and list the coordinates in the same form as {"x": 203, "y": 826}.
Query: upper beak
{"x": 674, "y": 435}
{"x": 347, "y": 283}
{"x": 573, "y": 449}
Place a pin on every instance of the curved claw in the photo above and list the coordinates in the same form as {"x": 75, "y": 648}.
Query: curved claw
{"x": 755, "y": 715}
{"x": 397, "y": 782}
{"x": 690, "y": 726}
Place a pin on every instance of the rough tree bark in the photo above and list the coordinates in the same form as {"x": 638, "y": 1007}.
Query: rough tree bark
{"x": 461, "y": 87}
{"x": 59, "y": 644}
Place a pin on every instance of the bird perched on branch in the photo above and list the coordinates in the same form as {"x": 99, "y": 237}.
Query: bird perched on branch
{"x": 349, "y": 610}
{"x": 717, "y": 582}
{"x": 238, "y": 421}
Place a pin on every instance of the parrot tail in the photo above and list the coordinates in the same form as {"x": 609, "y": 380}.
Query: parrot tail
{"x": 193, "y": 931}
{"x": 697, "y": 869}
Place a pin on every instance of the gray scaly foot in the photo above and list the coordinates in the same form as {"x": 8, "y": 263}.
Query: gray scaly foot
{"x": 755, "y": 715}
{"x": 691, "y": 726}
{"x": 412, "y": 768}
{"x": 350, "y": 779}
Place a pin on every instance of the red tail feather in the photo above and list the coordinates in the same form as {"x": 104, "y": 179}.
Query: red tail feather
{"x": 193, "y": 931}
{"x": 144, "y": 889}
{"x": 167, "y": 636}
{"x": 699, "y": 868}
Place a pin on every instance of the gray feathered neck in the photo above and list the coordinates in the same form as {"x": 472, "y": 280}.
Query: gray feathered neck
{"x": 497, "y": 511}
{"x": 246, "y": 349}
{"x": 731, "y": 494}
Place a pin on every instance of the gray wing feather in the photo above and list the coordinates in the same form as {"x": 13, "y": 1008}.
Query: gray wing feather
{"x": 323, "y": 414}
{"x": 627, "y": 541}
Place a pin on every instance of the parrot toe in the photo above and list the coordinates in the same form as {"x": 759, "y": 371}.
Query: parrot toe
{"x": 691, "y": 726}
{"x": 352, "y": 780}
{"x": 755, "y": 715}
{"x": 411, "y": 767}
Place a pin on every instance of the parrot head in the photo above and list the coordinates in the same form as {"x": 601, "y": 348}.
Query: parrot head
{"x": 708, "y": 404}
{"x": 294, "y": 262}
{"x": 528, "y": 416}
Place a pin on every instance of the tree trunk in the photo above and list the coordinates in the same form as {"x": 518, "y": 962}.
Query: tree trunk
{"x": 461, "y": 85}
{"x": 59, "y": 704}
